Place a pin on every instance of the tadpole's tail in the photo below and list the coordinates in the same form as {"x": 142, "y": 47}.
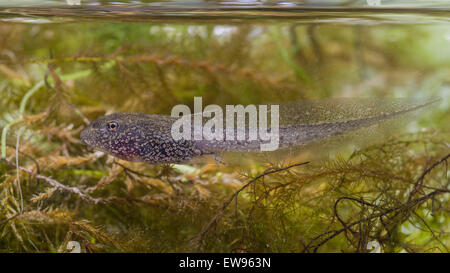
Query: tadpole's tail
{"x": 291, "y": 135}
{"x": 302, "y": 134}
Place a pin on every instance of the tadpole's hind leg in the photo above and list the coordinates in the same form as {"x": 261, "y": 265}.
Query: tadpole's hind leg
{"x": 218, "y": 159}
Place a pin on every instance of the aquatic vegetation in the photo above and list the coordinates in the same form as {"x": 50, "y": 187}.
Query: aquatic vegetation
{"x": 55, "y": 78}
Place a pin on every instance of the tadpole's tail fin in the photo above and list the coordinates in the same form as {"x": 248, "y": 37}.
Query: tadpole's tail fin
{"x": 295, "y": 135}
{"x": 302, "y": 122}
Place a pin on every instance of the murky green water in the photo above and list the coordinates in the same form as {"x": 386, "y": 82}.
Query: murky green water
{"x": 239, "y": 52}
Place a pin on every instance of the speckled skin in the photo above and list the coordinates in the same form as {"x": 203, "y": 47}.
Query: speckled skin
{"x": 147, "y": 138}
{"x": 139, "y": 137}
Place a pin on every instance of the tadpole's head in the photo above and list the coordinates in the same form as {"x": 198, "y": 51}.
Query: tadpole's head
{"x": 117, "y": 134}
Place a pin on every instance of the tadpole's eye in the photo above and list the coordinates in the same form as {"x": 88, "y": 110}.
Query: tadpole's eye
{"x": 112, "y": 126}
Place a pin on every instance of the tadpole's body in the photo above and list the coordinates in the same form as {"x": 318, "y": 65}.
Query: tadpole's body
{"x": 148, "y": 138}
